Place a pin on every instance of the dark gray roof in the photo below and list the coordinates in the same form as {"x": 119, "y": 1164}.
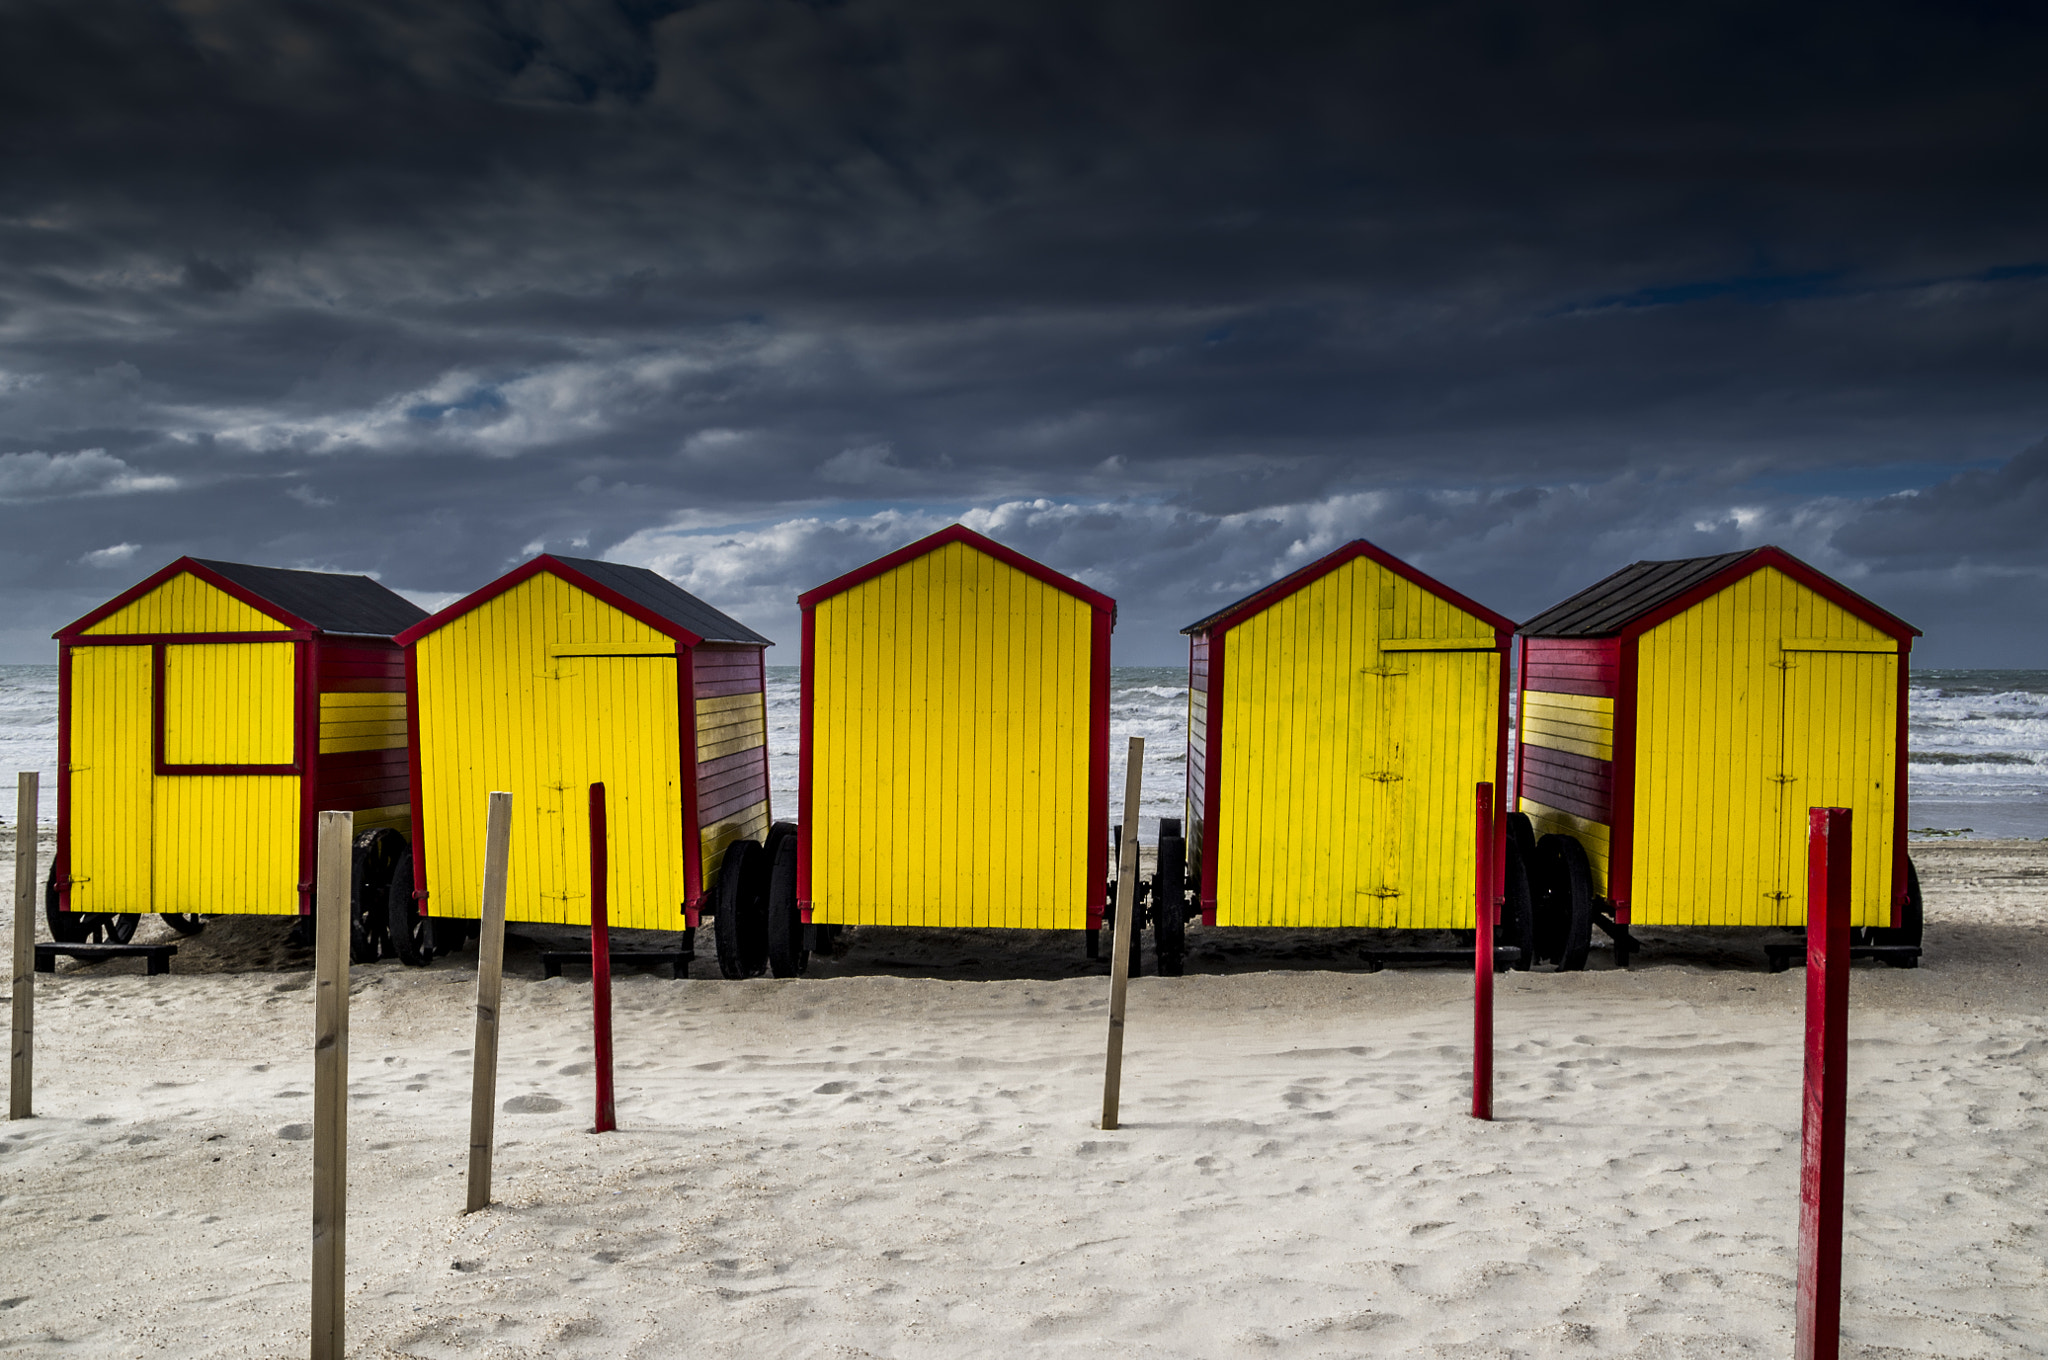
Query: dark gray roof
{"x": 663, "y": 597}
{"x": 1606, "y": 607}
{"x": 330, "y": 601}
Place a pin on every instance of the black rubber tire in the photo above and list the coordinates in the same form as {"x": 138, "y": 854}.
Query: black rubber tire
{"x": 84, "y": 927}
{"x": 1569, "y": 880}
{"x": 409, "y": 934}
{"x": 1518, "y": 908}
{"x": 1549, "y": 918}
{"x": 1522, "y": 833}
{"x": 729, "y": 908}
{"x": 1169, "y": 907}
{"x": 776, "y": 835}
{"x": 753, "y": 916}
{"x": 787, "y": 956}
{"x": 1911, "y": 920}
{"x": 373, "y": 861}
{"x": 184, "y": 922}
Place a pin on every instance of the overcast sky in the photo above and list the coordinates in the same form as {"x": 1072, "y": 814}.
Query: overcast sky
{"x": 1173, "y": 296}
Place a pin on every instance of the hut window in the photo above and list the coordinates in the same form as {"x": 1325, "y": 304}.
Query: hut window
{"x": 227, "y": 704}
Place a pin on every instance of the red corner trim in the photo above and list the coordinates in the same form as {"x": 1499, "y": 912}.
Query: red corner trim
{"x": 1758, "y": 558}
{"x": 1899, "y": 794}
{"x": 1232, "y": 615}
{"x": 562, "y": 571}
{"x": 1503, "y": 644}
{"x": 1621, "y": 850}
{"x": 804, "y": 747}
{"x": 414, "y": 742}
{"x": 693, "y": 815}
{"x": 1212, "y": 772}
{"x": 960, "y": 533}
{"x": 70, "y": 631}
{"x": 1098, "y": 767}
{"x": 60, "y": 862}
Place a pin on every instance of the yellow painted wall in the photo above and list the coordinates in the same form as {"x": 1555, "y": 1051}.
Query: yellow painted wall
{"x": 1582, "y": 724}
{"x": 186, "y": 604}
{"x": 949, "y": 770}
{"x": 1348, "y": 767}
{"x": 361, "y": 722}
{"x": 1737, "y": 736}
{"x": 222, "y": 844}
{"x": 506, "y": 702}
{"x": 110, "y": 824}
{"x": 728, "y": 724}
{"x": 230, "y": 703}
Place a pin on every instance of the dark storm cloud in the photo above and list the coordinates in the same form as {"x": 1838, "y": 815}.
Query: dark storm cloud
{"x": 1177, "y": 295}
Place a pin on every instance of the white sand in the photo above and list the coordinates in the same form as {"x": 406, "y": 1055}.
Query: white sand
{"x": 856, "y": 1164}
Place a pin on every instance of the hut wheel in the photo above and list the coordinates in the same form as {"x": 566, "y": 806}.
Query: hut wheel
{"x": 1169, "y": 906}
{"x": 1570, "y": 899}
{"x": 373, "y": 859}
{"x": 1908, "y": 931}
{"x": 728, "y": 907}
{"x": 85, "y": 927}
{"x": 409, "y": 933}
{"x": 787, "y": 956}
{"x": 1518, "y": 907}
{"x": 1522, "y": 836}
{"x": 184, "y": 922}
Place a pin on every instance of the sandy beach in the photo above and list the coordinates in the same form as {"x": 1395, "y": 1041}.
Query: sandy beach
{"x": 896, "y": 1155}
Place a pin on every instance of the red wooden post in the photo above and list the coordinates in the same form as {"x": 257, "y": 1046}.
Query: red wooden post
{"x": 600, "y": 964}
{"x": 1818, "y": 1327}
{"x": 1482, "y": 959}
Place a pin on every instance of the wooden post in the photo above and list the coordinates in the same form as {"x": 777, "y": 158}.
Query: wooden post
{"x": 1482, "y": 959}
{"x": 21, "y": 1071}
{"x": 1126, "y": 933}
{"x": 490, "y": 969}
{"x": 600, "y": 964}
{"x": 1818, "y": 1327}
{"x": 330, "y": 1084}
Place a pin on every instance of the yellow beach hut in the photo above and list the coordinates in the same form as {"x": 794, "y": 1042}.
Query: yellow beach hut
{"x": 204, "y": 717}
{"x": 1677, "y": 721}
{"x": 567, "y": 672}
{"x": 1338, "y": 722}
{"x": 954, "y": 748}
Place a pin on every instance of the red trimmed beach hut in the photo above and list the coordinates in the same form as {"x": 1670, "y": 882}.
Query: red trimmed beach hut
{"x": 1677, "y": 720}
{"x": 955, "y": 745}
{"x": 1338, "y": 722}
{"x": 205, "y": 716}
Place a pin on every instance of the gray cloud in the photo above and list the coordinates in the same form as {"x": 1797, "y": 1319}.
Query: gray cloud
{"x": 1168, "y": 294}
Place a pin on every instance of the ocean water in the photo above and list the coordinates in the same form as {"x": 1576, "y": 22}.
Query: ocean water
{"x": 1978, "y": 762}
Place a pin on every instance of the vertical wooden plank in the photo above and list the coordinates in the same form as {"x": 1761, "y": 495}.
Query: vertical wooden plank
{"x": 1818, "y": 1322}
{"x": 490, "y": 965}
{"x": 21, "y": 1065}
{"x": 1126, "y": 920}
{"x": 330, "y": 1086}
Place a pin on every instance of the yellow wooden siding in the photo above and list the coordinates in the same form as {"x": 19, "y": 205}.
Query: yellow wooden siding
{"x": 496, "y": 711}
{"x": 1841, "y": 750}
{"x": 713, "y": 841}
{"x": 111, "y": 765}
{"x": 223, "y": 844}
{"x": 227, "y": 843}
{"x": 1348, "y": 769}
{"x": 230, "y": 703}
{"x": 1580, "y": 723}
{"x": 949, "y": 768}
{"x": 186, "y": 604}
{"x": 1595, "y": 838}
{"x": 361, "y": 722}
{"x": 1723, "y": 781}
{"x": 731, "y": 724}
